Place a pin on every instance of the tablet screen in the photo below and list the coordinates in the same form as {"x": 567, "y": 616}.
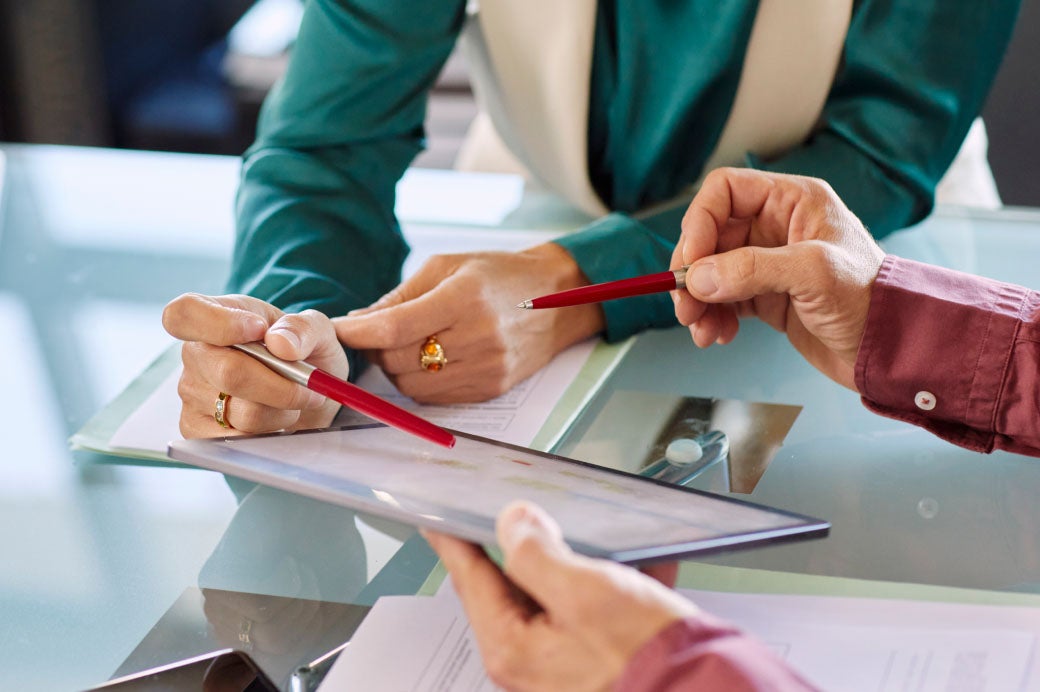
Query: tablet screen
{"x": 602, "y": 512}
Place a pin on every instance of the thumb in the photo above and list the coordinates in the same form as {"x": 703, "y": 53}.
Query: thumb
{"x": 746, "y": 272}
{"x": 536, "y": 558}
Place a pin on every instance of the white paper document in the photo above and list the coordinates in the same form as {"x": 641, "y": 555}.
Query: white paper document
{"x": 890, "y": 645}
{"x": 413, "y": 644}
{"x": 515, "y": 417}
{"x": 838, "y": 643}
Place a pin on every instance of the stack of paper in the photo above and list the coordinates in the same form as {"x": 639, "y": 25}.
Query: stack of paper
{"x": 838, "y": 643}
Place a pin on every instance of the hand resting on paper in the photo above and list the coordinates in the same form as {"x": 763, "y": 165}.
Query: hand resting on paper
{"x": 785, "y": 249}
{"x": 467, "y": 300}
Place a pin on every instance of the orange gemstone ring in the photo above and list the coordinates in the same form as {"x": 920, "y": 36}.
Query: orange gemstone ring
{"x": 431, "y": 355}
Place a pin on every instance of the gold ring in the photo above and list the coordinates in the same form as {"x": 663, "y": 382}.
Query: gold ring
{"x": 431, "y": 355}
{"x": 220, "y": 415}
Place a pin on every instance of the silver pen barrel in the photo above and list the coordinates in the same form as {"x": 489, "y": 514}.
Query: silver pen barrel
{"x": 298, "y": 371}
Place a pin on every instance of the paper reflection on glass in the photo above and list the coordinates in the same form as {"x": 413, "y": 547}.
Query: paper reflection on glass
{"x": 720, "y": 445}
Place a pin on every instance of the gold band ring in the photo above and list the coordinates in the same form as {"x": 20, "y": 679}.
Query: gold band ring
{"x": 431, "y": 355}
{"x": 220, "y": 415}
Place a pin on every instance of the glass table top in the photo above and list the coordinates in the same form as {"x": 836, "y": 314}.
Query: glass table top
{"x": 108, "y": 565}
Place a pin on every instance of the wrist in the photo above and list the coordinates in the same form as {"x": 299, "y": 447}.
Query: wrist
{"x": 558, "y": 271}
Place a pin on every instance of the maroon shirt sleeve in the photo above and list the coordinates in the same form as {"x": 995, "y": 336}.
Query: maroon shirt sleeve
{"x": 705, "y": 653}
{"x": 954, "y": 353}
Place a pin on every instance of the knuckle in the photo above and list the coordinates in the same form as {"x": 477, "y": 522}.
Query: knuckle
{"x": 496, "y": 385}
{"x": 440, "y": 263}
{"x": 821, "y": 264}
{"x": 400, "y": 361}
{"x": 527, "y": 550}
{"x": 716, "y": 176}
{"x": 184, "y": 388}
{"x": 297, "y": 398}
{"x": 598, "y": 586}
{"x": 503, "y": 665}
{"x": 186, "y": 428}
{"x": 295, "y": 322}
{"x": 314, "y": 318}
{"x": 252, "y": 418}
{"x": 175, "y": 312}
{"x": 227, "y": 376}
{"x": 743, "y": 268}
{"x": 818, "y": 254}
{"x": 390, "y": 331}
{"x": 189, "y": 354}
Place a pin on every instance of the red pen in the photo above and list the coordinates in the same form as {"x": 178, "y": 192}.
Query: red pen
{"x": 624, "y": 288}
{"x": 349, "y": 395}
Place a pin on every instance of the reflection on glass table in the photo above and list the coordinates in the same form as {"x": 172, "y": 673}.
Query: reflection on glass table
{"x": 685, "y": 458}
{"x": 290, "y": 581}
{"x": 904, "y": 505}
{"x": 719, "y": 445}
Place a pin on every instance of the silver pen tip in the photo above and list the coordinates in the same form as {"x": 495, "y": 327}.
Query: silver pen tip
{"x": 525, "y": 305}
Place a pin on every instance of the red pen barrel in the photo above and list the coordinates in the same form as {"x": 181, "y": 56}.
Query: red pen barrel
{"x": 597, "y": 293}
{"x": 381, "y": 410}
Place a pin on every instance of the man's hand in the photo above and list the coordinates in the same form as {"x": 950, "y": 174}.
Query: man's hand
{"x": 577, "y": 622}
{"x": 782, "y": 248}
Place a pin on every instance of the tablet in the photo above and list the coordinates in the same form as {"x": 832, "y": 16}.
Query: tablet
{"x": 459, "y": 491}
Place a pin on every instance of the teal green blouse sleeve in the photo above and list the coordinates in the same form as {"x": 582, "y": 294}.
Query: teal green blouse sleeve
{"x": 914, "y": 76}
{"x": 619, "y": 246}
{"x": 315, "y": 226}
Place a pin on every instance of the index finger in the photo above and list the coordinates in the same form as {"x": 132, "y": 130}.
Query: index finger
{"x": 401, "y": 324}
{"x": 486, "y": 595}
{"x": 727, "y": 193}
{"x": 776, "y": 203}
{"x": 218, "y": 320}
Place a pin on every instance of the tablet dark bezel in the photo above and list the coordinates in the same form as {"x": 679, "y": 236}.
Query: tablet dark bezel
{"x": 271, "y": 472}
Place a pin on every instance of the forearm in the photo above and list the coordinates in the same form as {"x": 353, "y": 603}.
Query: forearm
{"x": 310, "y": 235}
{"x": 956, "y": 354}
{"x": 315, "y": 222}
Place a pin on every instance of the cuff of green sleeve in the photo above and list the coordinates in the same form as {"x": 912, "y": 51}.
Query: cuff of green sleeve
{"x": 618, "y": 247}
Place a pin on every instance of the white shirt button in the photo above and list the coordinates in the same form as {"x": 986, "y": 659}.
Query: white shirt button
{"x": 925, "y": 400}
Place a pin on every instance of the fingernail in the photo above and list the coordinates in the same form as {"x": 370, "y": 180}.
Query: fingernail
{"x": 516, "y": 522}
{"x": 255, "y": 328}
{"x": 289, "y": 336}
{"x": 702, "y": 279}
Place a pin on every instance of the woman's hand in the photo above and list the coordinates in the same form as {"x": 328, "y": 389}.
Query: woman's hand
{"x": 260, "y": 399}
{"x": 785, "y": 249}
{"x": 577, "y": 622}
{"x": 468, "y": 301}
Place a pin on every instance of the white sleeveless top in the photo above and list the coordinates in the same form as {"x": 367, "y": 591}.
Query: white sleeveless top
{"x": 531, "y": 63}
